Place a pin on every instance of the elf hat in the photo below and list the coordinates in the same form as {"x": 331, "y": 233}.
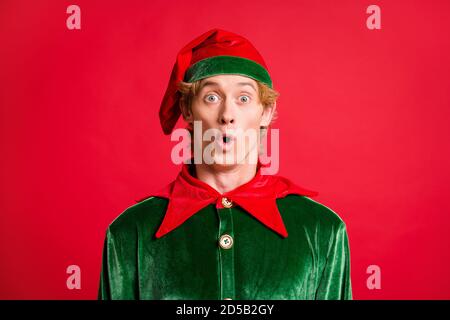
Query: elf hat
{"x": 214, "y": 52}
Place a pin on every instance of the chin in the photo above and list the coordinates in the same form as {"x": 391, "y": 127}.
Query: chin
{"x": 228, "y": 160}
{"x": 225, "y": 160}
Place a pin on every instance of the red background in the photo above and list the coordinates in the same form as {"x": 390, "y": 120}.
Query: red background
{"x": 363, "y": 119}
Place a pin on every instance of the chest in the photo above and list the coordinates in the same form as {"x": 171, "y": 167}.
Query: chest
{"x": 227, "y": 253}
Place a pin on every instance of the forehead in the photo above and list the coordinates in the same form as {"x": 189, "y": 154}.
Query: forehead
{"x": 228, "y": 81}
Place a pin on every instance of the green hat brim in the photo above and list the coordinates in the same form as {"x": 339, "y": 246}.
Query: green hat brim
{"x": 218, "y": 65}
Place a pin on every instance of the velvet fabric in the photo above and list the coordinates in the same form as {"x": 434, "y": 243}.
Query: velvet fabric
{"x": 227, "y": 65}
{"x": 312, "y": 262}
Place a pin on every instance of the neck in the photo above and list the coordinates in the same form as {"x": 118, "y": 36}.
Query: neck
{"x": 225, "y": 178}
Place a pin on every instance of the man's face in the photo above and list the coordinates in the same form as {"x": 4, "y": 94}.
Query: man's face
{"x": 231, "y": 115}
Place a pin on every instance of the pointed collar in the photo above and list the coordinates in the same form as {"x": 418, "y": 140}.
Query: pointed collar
{"x": 187, "y": 195}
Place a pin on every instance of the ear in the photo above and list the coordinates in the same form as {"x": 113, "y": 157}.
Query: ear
{"x": 187, "y": 114}
{"x": 268, "y": 114}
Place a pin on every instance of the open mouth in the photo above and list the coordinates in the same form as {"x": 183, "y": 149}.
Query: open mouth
{"x": 225, "y": 141}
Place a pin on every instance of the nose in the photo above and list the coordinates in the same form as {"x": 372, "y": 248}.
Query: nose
{"x": 227, "y": 115}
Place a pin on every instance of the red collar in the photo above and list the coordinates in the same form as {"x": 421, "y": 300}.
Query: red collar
{"x": 187, "y": 195}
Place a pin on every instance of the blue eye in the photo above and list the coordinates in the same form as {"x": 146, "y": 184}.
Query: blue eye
{"x": 212, "y": 98}
{"x": 244, "y": 99}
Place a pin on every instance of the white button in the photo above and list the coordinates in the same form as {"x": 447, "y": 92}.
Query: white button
{"x": 226, "y": 241}
{"x": 227, "y": 299}
{"x": 227, "y": 203}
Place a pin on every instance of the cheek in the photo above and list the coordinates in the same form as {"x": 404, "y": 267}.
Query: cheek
{"x": 204, "y": 114}
{"x": 252, "y": 117}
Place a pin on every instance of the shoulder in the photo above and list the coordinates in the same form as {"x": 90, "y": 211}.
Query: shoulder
{"x": 147, "y": 213}
{"x": 303, "y": 210}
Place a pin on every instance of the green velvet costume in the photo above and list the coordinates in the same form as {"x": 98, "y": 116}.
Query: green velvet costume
{"x": 312, "y": 262}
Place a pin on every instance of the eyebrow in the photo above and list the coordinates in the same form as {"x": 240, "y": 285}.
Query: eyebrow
{"x": 213, "y": 83}
{"x": 247, "y": 84}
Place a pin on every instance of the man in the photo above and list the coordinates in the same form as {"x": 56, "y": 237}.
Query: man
{"x": 222, "y": 229}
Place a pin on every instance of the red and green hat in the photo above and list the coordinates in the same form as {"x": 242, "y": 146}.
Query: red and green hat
{"x": 214, "y": 52}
